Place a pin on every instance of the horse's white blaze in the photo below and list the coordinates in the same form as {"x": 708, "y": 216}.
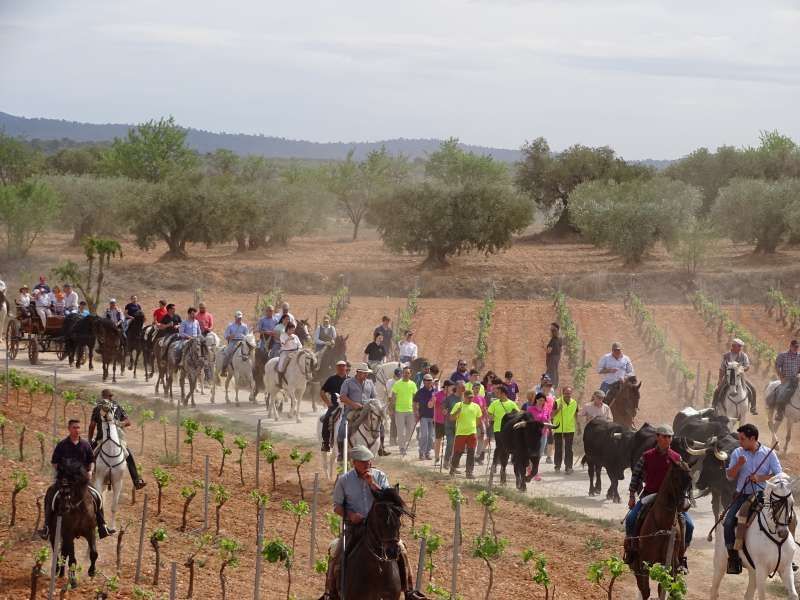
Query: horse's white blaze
{"x": 110, "y": 464}
{"x": 299, "y": 372}
{"x": 735, "y": 403}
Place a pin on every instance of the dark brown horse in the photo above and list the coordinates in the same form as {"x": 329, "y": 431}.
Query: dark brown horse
{"x": 661, "y": 536}
{"x": 110, "y": 346}
{"x": 74, "y": 503}
{"x": 135, "y": 343}
{"x": 328, "y": 357}
{"x": 623, "y": 399}
{"x": 78, "y": 334}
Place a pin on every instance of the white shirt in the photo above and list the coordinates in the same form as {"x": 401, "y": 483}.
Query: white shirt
{"x": 590, "y": 411}
{"x": 71, "y": 301}
{"x": 24, "y": 300}
{"x": 389, "y": 385}
{"x": 43, "y": 300}
{"x": 408, "y": 349}
{"x": 623, "y": 367}
{"x": 290, "y": 342}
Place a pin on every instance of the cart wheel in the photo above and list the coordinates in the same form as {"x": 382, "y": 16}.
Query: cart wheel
{"x": 61, "y": 353}
{"x": 12, "y": 339}
{"x": 33, "y": 350}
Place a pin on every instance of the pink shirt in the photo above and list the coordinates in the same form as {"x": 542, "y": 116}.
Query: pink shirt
{"x": 480, "y": 401}
{"x": 542, "y": 415}
{"x": 438, "y": 410}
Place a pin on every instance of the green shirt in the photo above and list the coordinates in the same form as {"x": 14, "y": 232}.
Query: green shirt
{"x": 467, "y": 421}
{"x": 500, "y": 409}
{"x": 404, "y": 395}
{"x": 565, "y": 420}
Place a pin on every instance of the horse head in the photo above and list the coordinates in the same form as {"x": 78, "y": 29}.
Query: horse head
{"x": 383, "y": 521}
{"x": 679, "y": 480}
{"x": 302, "y": 330}
{"x": 734, "y": 371}
{"x": 73, "y": 479}
{"x": 779, "y": 500}
{"x": 106, "y": 407}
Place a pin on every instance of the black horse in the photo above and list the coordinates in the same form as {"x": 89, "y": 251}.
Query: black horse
{"x": 79, "y": 338}
{"x": 135, "y": 343}
{"x": 110, "y": 345}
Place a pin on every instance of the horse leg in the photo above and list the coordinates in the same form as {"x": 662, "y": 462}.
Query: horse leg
{"x": 761, "y": 584}
{"x": 92, "y": 541}
{"x": 789, "y": 424}
{"x": 643, "y": 583}
{"x": 227, "y": 383}
{"x": 116, "y": 486}
{"x": 296, "y": 405}
{"x": 787, "y": 576}
{"x": 750, "y": 593}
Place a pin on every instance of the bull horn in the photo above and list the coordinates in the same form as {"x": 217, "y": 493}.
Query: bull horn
{"x": 712, "y": 441}
{"x": 696, "y": 451}
{"x": 548, "y": 425}
{"x": 721, "y": 455}
{"x": 697, "y": 444}
{"x": 617, "y": 436}
{"x": 520, "y": 425}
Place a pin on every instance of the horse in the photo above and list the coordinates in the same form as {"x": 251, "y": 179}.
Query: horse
{"x": 193, "y": 362}
{"x": 149, "y": 339}
{"x": 213, "y": 345}
{"x": 74, "y": 503}
{"x": 79, "y": 339}
{"x": 161, "y": 360}
{"x": 240, "y": 368}
{"x": 374, "y": 568}
{"x": 300, "y": 369}
{"x": 329, "y": 356}
{"x": 662, "y": 527}
{"x": 364, "y": 429}
{"x": 791, "y": 412}
{"x": 110, "y": 456}
{"x": 768, "y": 543}
{"x": 623, "y": 399}
{"x": 135, "y": 342}
{"x": 110, "y": 345}
{"x": 731, "y": 398}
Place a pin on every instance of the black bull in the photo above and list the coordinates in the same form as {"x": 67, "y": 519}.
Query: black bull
{"x": 520, "y": 436}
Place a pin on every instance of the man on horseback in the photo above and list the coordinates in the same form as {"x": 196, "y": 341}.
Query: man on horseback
{"x": 190, "y": 328}
{"x": 355, "y": 391}
{"x": 74, "y": 448}
{"x": 113, "y": 313}
{"x": 205, "y": 318}
{"x": 750, "y": 466}
{"x": 736, "y": 355}
{"x": 123, "y": 421}
{"x": 614, "y": 366}
{"x": 787, "y": 364}
{"x": 329, "y": 394}
{"x": 353, "y": 501}
{"x": 131, "y": 309}
{"x": 324, "y": 334}
{"x": 234, "y": 335}
{"x": 649, "y": 472}
{"x": 290, "y": 345}
{"x": 266, "y": 328}
{"x": 168, "y": 323}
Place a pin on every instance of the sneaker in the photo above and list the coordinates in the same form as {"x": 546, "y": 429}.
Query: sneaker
{"x": 428, "y": 456}
{"x": 382, "y": 452}
{"x": 753, "y": 411}
{"x": 537, "y": 477}
{"x": 557, "y": 468}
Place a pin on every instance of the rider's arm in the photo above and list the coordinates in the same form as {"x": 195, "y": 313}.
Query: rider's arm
{"x": 316, "y": 334}
{"x": 637, "y": 478}
{"x": 732, "y": 472}
{"x": 92, "y": 426}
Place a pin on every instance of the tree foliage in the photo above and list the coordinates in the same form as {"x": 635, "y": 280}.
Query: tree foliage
{"x": 630, "y": 217}
{"x": 549, "y": 178}
{"x": 18, "y": 161}
{"x": 27, "y": 209}
{"x": 98, "y": 252}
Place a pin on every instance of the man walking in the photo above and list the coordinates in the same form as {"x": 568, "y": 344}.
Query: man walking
{"x": 553, "y": 353}
{"x": 564, "y": 419}
{"x": 787, "y": 365}
{"x": 423, "y": 413}
{"x": 467, "y": 416}
{"x": 403, "y": 396}
{"x": 614, "y": 366}
{"x": 461, "y": 373}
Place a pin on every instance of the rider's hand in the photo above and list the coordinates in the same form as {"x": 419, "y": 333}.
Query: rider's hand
{"x": 742, "y": 460}
{"x": 631, "y": 502}
{"x": 355, "y": 518}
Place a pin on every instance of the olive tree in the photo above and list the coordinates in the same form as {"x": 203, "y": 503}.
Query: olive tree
{"x": 89, "y": 281}
{"x": 18, "y": 161}
{"x": 630, "y": 217}
{"x": 758, "y": 211}
{"x": 26, "y": 210}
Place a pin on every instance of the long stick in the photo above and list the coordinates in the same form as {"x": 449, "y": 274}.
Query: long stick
{"x": 456, "y": 550}
{"x": 173, "y": 581}
{"x": 54, "y": 563}
{"x": 314, "y": 495}
{"x": 344, "y": 519}
{"x": 141, "y": 542}
{"x": 739, "y": 494}
{"x": 259, "y": 544}
{"x": 258, "y": 453}
{"x": 420, "y": 564}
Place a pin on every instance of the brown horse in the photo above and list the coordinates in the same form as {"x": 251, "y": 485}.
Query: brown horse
{"x": 135, "y": 343}
{"x": 111, "y": 347}
{"x": 623, "y": 399}
{"x": 656, "y": 543}
{"x": 74, "y": 503}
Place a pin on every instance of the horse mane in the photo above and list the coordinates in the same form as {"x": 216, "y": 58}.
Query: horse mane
{"x": 390, "y": 495}
{"x": 73, "y": 471}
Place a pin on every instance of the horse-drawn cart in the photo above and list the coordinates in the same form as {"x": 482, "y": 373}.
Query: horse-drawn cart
{"x": 28, "y": 332}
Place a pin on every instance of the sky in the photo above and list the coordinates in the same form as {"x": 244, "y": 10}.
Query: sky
{"x": 652, "y": 79}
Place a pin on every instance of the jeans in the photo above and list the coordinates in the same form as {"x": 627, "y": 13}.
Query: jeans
{"x": 604, "y": 387}
{"x": 731, "y": 519}
{"x": 406, "y": 423}
{"x": 630, "y": 523}
{"x": 563, "y": 443}
{"x": 425, "y": 436}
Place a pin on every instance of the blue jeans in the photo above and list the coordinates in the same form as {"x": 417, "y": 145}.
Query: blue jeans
{"x": 425, "y": 436}
{"x": 630, "y": 523}
{"x": 604, "y": 387}
{"x": 730, "y": 519}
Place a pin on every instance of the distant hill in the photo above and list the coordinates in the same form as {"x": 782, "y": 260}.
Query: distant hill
{"x": 207, "y": 141}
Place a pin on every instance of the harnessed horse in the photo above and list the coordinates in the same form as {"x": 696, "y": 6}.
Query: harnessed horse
{"x": 791, "y": 413}
{"x": 364, "y": 430}
{"x": 732, "y": 397}
{"x": 240, "y": 370}
{"x": 110, "y": 455}
{"x": 300, "y": 370}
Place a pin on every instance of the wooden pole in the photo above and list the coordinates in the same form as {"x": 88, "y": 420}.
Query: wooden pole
{"x": 54, "y": 561}
{"x": 420, "y": 565}
{"x": 456, "y": 550}
{"x": 7, "y": 371}
{"x": 259, "y": 544}
{"x": 486, "y": 509}
{"x": 178, "y": 432}
{"x": 314, "y": 495}
{"x": 138, "y": 575}
{"x": 55, "y": 408}
{"x": 258, "y": 453}
{"x": 205, "y": 495}
{"x": 708, "y": 381}
{"x": 173, "y": 581}
{"x": 697, "y": 385}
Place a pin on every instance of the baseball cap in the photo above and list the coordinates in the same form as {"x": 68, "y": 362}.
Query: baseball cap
{"x": 737, "y": 341}
{"x": 616, "y": 346}
{"x": 238, "y": 314}
{"x": 341, "y": 363}
{"x": 427, "y": 377}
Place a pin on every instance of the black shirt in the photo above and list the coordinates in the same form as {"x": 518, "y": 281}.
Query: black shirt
{"x": 375, "y": 352}
{"x": 131, "y": 308}
{"x": 80, "y": 452}
{"x": 387, "y": 334}
{"x": 332, "y": 387}
{"x": 119, "y": 415}
{"x": 554, "y": 345}
{"x": 168, "y": 319}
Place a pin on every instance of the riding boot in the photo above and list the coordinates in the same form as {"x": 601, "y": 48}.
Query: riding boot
{"x": 734, "y": 562}
{"x": 103, "y": 530}
{"x": 340, "y": 449}
{"x": 138, "y": 482}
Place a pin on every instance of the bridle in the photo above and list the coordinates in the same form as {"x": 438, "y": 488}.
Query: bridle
{"x": 118, "y": 452}
{"x": 779, "y": 506}
{"x": 373, "y": 429}
{"x": 384, "y": 549}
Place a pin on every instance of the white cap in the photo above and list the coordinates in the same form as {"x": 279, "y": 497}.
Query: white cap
{"x": 112, "y": 301}
{"x": 737, "y": 341}
{"x": 238, "y": 314}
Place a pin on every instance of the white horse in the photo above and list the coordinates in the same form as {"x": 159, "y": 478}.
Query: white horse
{"x": 791, "y": 413}
{"x": 383, "y": 373}
{"x": 364, "y": 430}
{"x": 110, "y": 456}
{"x": 240, "y": 370}
{"x": 768, "y": 541}
{"x": 734, "y": 403}
{"x": 300, "y": 369}
{"x": 214, "y": 346}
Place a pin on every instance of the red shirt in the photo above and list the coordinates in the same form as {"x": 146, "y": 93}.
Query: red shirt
{"x": 206, "y": 320}
{"x": 158, "y": 314}
{"x": 656, "y": 465}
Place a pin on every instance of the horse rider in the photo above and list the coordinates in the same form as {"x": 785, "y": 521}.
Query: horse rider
{"x": 352, "y": 501}
{"x": 160, "y": 312}
{"x": 407, "y": 349}
{"x": 42, "y": 302}
{"x": 71, "y": 301}
{"x": 329, "y": 394}
{"x": 169, "y": 323}
{"x": 131, "y": 309}
{"x": 290, "y": 344}
{"x": 114, "y": 314}
{"x": 266, "y": 329}
{"x": 285, "y": 311}
{"x": 75, "y": 448}
{"x": 355, "y": 391}
{"x": 189, "y": 328}
{"x": 235, "y": 333}
{"x": 737, "y": 355}
{"x": 123, "y": 422}
{"x": 205, "y": 318}
{"x": 615, "y": 366}
{"x": 650, "y": 471}
{"x": 375, "y": 352}
{"x": 750, "y": 465}
{"x": 324, "y": 334}
{"x": 787, "y": 364}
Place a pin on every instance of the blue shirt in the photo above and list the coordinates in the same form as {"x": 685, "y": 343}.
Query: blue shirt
{"x": 267, "y": 324}
{"x": 421, "y": 399}
{"x": 236, "y": 332}
{"x": 355, "y": 494}
{"x": 356, "y": 392}
{"x": 771, "y": 466}
{"x": 189, "y": 329}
